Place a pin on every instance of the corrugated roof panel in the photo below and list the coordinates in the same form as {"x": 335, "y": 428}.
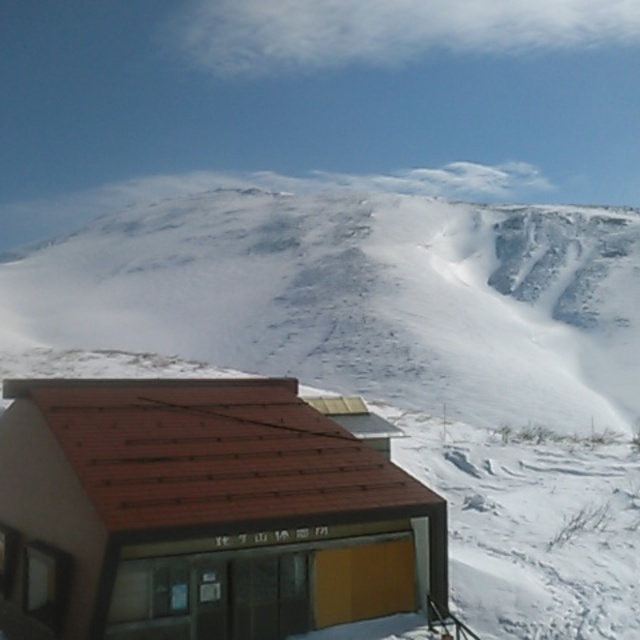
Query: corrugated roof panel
{"x": 172, "y": 457}
{"x": 352, "y": 413}
{"x": 338, "y": 405}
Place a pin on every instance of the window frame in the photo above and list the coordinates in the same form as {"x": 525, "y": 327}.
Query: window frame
{"x": 168, "y": 593}
{"x": 10, "y": 541}
{"x": 170, "y": 587}
{"x": 52, "y": 613}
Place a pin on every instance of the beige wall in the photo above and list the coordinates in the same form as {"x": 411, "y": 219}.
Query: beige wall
{"x": 42, "y": 499}
{"x": 421, "y": 542}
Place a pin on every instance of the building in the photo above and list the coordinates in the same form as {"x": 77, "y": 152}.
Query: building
{"x": 353, "y": 414}
{"x": 193, "y": 509}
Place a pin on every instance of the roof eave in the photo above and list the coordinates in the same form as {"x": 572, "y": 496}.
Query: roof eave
{"x": 15, "y": 388}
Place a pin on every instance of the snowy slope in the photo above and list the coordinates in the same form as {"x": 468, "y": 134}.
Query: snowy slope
{"x": 543, "y": 533}
{"x": 494, "y": 315}
{"x": 517, "y": 322}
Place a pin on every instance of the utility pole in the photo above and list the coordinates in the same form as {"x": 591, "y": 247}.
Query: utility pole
{"x": 444, "y": 422}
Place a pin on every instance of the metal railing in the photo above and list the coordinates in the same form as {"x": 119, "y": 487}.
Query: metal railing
{"x": 448, "y": 625}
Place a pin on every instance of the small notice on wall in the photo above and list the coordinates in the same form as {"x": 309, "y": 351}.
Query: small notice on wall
{"x": 210, "y": 592}
{"x": 179, "y": 597}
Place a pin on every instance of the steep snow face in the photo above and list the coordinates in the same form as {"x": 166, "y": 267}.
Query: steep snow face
{"x": 564, "y": 260}
{"x": 580, "y": 267}
{"x": 490, "y": 315}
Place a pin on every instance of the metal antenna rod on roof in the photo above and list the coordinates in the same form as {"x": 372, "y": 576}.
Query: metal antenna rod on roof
{"x": 261, "y": 423}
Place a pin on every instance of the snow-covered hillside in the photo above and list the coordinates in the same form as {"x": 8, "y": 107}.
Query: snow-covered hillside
{"x": 500, "y": 339}
{"x": 494, "y": 315}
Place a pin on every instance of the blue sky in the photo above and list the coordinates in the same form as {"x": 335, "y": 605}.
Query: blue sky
{"x": 107, "y": 103}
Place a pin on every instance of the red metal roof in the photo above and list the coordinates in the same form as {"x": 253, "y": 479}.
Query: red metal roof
{"x": 157, "y": 456}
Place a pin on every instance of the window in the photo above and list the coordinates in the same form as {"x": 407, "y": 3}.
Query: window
{"x": 170, "y": 591}
{"x": 46, "y": 584}
{"x": 255, "y": 597}
{"x": 293, "y": 576}
{"x": 146, "y": 590}
{"x": 130, "y": 599}
{"x": 9, "y": 543}
{"x": 295, "y": 608}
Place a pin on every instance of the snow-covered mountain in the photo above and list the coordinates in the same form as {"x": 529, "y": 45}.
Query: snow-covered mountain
{"x": 500, "y": 339}
{"x": 492, "y": 315}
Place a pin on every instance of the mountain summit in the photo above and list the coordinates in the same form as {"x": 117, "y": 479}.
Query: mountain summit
{"x": 494, "y": 315}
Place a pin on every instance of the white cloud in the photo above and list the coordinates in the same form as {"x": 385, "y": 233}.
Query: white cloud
{"x": 25, "y": 222}
{"x": 257, "y": 36}
{"x": 465, "y": 180}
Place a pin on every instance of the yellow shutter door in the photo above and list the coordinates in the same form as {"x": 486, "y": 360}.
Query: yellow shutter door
{"x": 362, "y": 582}
{"x": 332, "y": 587}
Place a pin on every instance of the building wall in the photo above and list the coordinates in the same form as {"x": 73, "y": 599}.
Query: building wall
{"x": 42, "y": 499}
{"x": 341, "y": 580}
{"x": 383, "y": 445}
{"x": 421, "y": 543}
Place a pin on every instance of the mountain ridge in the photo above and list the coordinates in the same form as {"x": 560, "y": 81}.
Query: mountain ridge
{"x": 502, "y": 314}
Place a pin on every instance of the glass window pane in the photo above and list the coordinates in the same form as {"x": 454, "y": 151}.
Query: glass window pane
{"x": 179, "y": 602}
{"x": 41, "y": 586}
{"x": 9, "y": 541}
{"x": 47, "y": 573}
{"x": 170, "y": 590}
{"x": 293, "y": 576}
{"x": 2, "y": 552}
{"x": 161, "y": 591}
{"x": 130, "y": 598}
{"x": 241, "y": 573}
{"x": 265, "y": 580}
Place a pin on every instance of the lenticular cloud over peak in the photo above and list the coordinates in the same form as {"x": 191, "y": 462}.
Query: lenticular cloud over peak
{"x": 258, "y": 36}
{"x": 512, "y": 180}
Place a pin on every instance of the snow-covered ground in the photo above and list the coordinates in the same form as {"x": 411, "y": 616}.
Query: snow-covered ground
{"x": 544, "y": 533}
{"x": 502, "y": 340}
